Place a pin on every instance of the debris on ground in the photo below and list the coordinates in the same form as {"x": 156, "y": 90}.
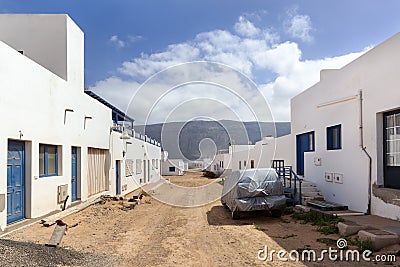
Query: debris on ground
{"x": 58, "y": 233}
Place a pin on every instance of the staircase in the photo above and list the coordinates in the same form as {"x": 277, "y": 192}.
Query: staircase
{"x": 296, "y": 189}
{"x": 309, "y": 191}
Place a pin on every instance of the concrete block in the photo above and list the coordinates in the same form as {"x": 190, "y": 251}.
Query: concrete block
{"x": 349, "y": 228}
{"x": 379, "y": 238}
{"x": 302, "y": 208}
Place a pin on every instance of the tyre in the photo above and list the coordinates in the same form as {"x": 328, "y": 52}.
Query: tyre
{"x": 276, "y": 213}
{"x": 235, "y": 215}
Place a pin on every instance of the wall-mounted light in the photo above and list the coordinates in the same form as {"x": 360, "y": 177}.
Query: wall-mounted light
{"x": 84, "y": 121}
{"x": 125, "y": 135}
{"x": 65, "y": 114}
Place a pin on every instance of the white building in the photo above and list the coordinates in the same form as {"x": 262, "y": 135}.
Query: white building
{"x": 196, "y": 164}
{"x": 173, "y": 167}
{"x": 57, "y": 140}
{"x": 346, "y": 132}
{"x": 259, "y": 155}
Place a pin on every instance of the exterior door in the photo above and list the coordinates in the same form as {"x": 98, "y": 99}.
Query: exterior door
{"x": 117, "y": 177}
{"x": 15, "y": 181}
{"x": 148, "y": 171}
{"x": 74, "y": 174}
{"x": 145, "y": 171}
{"x": 391, "y": 129}
{"x": 304, "y": 143}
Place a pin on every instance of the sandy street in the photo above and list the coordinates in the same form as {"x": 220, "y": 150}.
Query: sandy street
{"x": 156, "y": 234}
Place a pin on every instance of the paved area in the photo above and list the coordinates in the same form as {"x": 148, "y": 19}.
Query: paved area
{"x": 376, "y": 222}
{"x": 371, "y": 221}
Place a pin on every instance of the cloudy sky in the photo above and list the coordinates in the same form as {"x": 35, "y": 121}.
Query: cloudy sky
{"x": 281, "y": 45}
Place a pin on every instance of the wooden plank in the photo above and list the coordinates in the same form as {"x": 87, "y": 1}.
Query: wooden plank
{"x": 57, "y": 236}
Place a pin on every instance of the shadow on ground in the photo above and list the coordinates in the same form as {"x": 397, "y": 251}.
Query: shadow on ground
{"x": 220, "y": 215}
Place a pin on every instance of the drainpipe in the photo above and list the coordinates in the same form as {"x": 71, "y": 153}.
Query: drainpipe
{"x": 364, "y": 149}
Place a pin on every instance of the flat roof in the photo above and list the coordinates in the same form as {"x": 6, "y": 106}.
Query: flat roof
{"x": 120, "y": 114}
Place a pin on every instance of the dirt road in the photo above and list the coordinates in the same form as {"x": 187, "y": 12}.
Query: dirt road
{"x": 156, "y": 234}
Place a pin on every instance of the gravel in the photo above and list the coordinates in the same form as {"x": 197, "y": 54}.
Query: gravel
{"x": 15, "y": 253}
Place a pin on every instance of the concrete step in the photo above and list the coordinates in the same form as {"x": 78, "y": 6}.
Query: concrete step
{"x": 303, "y": 184}
{"x": 312, "y": 194}
{"x": 306, "y": 199}
{"x": 379, "y": 238}
{"x": 309, "y": 189}
{"x": 348, "y": 228}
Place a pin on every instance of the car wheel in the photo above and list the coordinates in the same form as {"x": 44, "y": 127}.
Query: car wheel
{"x": 276, "y": 213}
{"x": 235, "y": 215}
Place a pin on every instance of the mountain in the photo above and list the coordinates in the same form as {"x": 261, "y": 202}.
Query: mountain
{"x": 195, "y": 139}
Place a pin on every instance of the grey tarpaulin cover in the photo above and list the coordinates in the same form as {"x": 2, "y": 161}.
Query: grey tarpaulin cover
{"x": 253, "y": 189}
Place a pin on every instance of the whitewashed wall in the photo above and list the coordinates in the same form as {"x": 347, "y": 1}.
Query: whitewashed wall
{"x": 34, "y": 100}
{"x": 133, "y": 152}
{"x": 177, "y": 163}
{"x": 376, "y": 74}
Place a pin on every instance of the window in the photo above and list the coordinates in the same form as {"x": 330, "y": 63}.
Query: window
{"x": 240, "y": 165}
{"x": 311, "y": 141}
{"x": 252, "y": 164}
{"x": 245, "y": 163}
{"x": 48, "y": 160}
{"x": 171, "y": 169}
{"x": 392, "y": 139}
{"x": 333, "y": 135}
{"x": 138, "y": 166}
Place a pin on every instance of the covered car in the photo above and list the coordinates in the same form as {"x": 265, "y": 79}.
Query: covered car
{"x": 253, "y": 189}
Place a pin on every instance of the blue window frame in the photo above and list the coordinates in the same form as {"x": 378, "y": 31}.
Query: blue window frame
{"x": 334, "y": 137}
{"x": 171, "y": 169}
{"x": 48, "y": 160}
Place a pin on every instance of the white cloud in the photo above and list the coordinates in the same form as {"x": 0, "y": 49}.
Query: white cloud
{"x": 245, "y": 28}
{"x": 299, "y": 26}
{"x": 135, "y": 38}
{"x": 118, "y": 43}
{"x": 116, "y": 91}
{"x": 249, "y": 49}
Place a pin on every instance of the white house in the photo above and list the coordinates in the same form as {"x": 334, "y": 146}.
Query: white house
{"x": 172, "y": 167}
{"x": 346, "y": 132}
{"x": 57, "y": 141}
{"x": 259, "y": 155}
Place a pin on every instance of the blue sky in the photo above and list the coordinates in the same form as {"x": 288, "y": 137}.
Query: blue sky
{"x": 124, "y": 36}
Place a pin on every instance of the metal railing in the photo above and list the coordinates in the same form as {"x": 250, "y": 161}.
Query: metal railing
{"x": 139, "y": 136}
{"x": 287, "y": 175}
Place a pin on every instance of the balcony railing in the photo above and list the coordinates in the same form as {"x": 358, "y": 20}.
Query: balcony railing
{"x": 139, "y": 136}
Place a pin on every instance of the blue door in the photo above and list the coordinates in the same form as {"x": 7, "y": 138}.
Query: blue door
{"x": 118, "y": 177}
{"x": 304, "y": 143}
{"x": 74, "y": 174}
{"x": 15, "y": 181}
